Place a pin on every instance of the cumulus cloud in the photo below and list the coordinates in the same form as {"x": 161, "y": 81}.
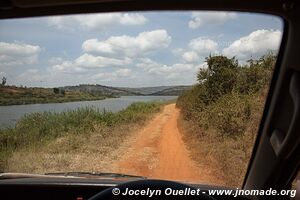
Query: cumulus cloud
{"x": 97, "y": 21}
{"x": 190, "y": 57}
{"x": 88, "y": 61}
{"x": 174, "y": 68}
{"x": 255, "y": 44}
{"x": 116, "y": 51}
{"x": 156, "y": 68}
{"x": 12, "y": 54}
{"x": 203, "y": 46}
{"x": 191, "y": 61}
{"x": 144, "y": 43}
{"x": 170, "y": 74}
{"x": 200, "y": 19}
{"x": 2, "y": 74}
{"x": 199, "y": 48}
{"x": 108, "y": 76}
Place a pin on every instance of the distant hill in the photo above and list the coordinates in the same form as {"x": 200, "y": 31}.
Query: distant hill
{"x": 100, "y": 89}
{"x": 172, "y": 91}
{"x": 126, "y": 91}
{"x": 147, "y": 90}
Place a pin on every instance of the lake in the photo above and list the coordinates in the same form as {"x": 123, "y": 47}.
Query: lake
{"x": 10, "y": 114}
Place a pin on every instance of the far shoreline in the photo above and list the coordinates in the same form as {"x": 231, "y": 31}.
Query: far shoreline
{"x": 13, "y": 95}
{"x": 17, "y": 102}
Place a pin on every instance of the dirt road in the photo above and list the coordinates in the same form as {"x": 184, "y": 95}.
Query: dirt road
{"x": 158, "y": 151}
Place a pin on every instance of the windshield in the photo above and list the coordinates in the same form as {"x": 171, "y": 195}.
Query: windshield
{"x": 168, "y": 95}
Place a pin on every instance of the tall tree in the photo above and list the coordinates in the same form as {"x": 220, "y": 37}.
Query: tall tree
{"x": 220, "y": 77}
{"x": 3, "y": 80}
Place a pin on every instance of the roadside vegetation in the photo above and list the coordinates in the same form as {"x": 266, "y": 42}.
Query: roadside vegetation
{"x": 221, "y": 113}
{"x": 12, "y": 95}
{"x": 72, "y": 140}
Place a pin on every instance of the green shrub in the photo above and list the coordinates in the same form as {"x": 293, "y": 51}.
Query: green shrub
{"x": 229, "y": 115}
{"x": 223, "y": 98}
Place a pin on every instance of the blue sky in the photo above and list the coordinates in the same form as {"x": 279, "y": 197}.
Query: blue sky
{"x": 129, "y": 49}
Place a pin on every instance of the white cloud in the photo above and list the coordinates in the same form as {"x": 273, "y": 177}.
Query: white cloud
{"x": 210, "y": 18}
{"x": 109, "y": 76}
{"x": 88, "y": 61}
{"x": 96, "y": 21}
{"x": 146, "y": 64}
{"x": 155, "y": 68}
{"x": 2, "y": 74}
{"x": 186, "y": 72}
{"x": 203, "y": 46}
{"x": 117, "y": 52}
{"x": 132, "y": 19}
{"x": 67, "y": 67}
{"x": 123, "y": 72}
{"x": 12, "y": 54}
{"x": 199, "y": 48}
{"x": 144, "y": 43}
{"x": 255, "y": 44}
{"x": 167, "y": 69}
{"x": 190, "y": 57}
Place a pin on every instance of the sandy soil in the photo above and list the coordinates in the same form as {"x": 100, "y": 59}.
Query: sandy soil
{"x": 158, "y": 152}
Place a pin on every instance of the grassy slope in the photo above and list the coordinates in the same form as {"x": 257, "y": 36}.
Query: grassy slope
{"x": 221, "y": 114}
{"x": 73, "y": 140}
{"x": 15, "y": 96}
{"x": 227, "y": 156}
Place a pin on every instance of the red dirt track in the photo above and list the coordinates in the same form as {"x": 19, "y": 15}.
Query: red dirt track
{"x": 159, "y": 152}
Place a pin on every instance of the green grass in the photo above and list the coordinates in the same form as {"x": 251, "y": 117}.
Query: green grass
{"x": 38, "y": 129}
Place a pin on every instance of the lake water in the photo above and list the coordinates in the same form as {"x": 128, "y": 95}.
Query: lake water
{"x": 10, "y": 114}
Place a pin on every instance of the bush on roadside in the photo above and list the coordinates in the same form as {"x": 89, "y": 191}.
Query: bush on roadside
{"x": 223, "y": 111}
{"x": 229, "y": 114}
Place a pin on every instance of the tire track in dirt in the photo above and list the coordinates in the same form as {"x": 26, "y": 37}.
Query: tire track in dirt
{"x": 159, "y": 152}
